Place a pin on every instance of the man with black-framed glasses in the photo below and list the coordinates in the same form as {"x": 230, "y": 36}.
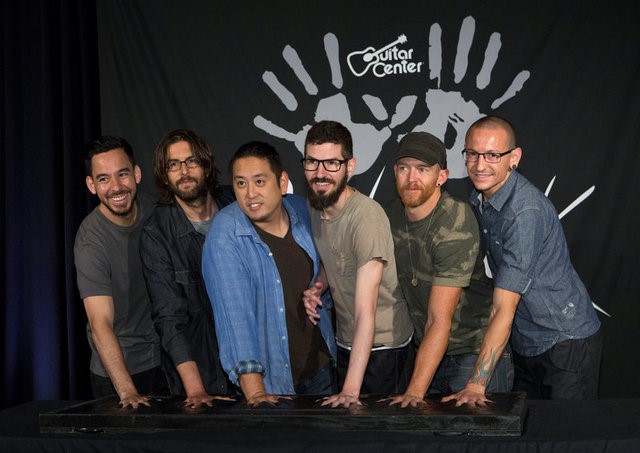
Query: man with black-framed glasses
{"x": 171, "y": 251}
{"x": 540, "y": 304}
{"x": 353, "y": 236}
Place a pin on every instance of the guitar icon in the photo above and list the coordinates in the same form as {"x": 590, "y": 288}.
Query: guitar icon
{"x": 369, "y": 56}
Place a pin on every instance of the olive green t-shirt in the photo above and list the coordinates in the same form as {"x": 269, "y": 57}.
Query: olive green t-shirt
{"x": 445, "y": 249}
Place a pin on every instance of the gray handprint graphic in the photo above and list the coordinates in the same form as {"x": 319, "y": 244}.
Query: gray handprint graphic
{"x": 450, "y": 108}
{"x": 446, "y": 108}
{"x": 367, "y": 139}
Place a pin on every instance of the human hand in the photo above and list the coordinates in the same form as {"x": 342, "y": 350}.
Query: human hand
{"x": 341, "y": 399}
{"x": 311, "y": 300}
{"x": 472, "y": 394}
{"x": 405, "y": 400}
{"x": 264, "y": 398}
{"x": 134, "y": 400}
{"x": 203, "y": 399}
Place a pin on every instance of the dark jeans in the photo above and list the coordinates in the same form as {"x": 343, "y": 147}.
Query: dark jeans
{"x": 454, "y": 372}
{"x": 569, "y": 370}
{"x": 321, "y": 383}
{"x": 388, "y": 371}
{"x": 150, "y": 382}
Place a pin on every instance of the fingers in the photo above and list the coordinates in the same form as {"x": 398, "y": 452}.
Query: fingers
{"x": 341, "y": 400}
{"x": 134, "y": 401}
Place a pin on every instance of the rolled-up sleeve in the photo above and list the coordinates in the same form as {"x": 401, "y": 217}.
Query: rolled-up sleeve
{"x": 520, "y": 245}
{"x": 233, "y": 298}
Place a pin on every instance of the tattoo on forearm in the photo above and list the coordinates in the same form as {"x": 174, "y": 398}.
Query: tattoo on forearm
{"x": 483, "y": 372}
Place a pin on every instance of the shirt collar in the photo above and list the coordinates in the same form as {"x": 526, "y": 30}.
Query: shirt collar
{"x": 498, "y": 200}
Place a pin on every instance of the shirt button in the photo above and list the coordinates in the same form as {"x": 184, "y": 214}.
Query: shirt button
{"x": 484, "y": 231}
{"x": 281, "y": 310}
{"x": 278, "y": 282}
{"x": 270, "y": 254}
{"x": 283, "y": 338}
{"x": 286, "y": 366}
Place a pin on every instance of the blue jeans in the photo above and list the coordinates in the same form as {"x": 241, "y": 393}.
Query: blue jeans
{"x": 454, "y": 372}
{"x": 321, "y": 383}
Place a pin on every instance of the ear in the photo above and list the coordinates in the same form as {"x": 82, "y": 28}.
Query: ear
{"x": 442, "y": 177}
{"x": 284, "y": 182}
{"x": 351, "y": 167}
{"x": 92, "y": 188}
{"x": 395, "y": 170}
{"x": 138, "y": 174}
{"x": 515, "y": 156}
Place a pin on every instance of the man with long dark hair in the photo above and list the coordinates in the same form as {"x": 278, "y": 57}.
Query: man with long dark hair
{"x": 171, "y": 250}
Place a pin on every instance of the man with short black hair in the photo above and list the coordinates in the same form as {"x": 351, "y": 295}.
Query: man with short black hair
{"x": 258, "y": 259}
{"x": 125, "y": 349}
{"x": 374, "y": 331}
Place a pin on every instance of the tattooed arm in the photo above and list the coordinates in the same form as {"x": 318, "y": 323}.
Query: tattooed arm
{"x": 495, "y": 339}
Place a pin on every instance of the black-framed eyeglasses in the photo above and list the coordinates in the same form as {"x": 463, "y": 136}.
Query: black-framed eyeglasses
{"x": 489, "y": 157}
{"x": 331, "y": 165}
{"x": 190, "y": 162}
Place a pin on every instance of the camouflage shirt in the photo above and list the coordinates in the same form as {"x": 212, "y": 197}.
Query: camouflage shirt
{"x": 444, "y": 252}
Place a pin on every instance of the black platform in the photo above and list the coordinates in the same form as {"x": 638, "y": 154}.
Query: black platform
{"x": 503, "y": 417}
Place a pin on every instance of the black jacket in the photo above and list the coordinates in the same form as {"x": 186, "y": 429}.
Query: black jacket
{"x": 171, "y": 251}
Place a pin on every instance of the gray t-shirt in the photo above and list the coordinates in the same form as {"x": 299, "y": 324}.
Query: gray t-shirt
{"x": 107, "y": 258}
{"x": 359, "y": 233}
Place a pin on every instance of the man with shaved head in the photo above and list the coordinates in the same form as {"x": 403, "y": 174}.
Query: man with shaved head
{"x": 540, "y": 304}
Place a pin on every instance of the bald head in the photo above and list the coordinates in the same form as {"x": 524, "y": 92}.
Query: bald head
{"x": 496, "y": 122}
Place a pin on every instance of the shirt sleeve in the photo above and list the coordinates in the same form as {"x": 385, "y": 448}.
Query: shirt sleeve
{"x": 230, "y": 286}
{"x": 93, "y": 271}
{"x": 372, "y": 236}
{"x": 169, "y": 308}
{"x": 522, "y": 240}
{"x": 456, "y": 248}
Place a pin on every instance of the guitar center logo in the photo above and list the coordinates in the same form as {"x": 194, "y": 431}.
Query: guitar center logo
{"x": 385, "y": 61}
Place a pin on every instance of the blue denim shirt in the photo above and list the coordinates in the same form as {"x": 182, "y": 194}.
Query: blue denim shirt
{"x": 528, "y": 254}
{"x": 247, "y": 298}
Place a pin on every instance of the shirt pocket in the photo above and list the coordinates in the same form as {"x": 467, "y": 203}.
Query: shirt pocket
{"x": 191, "y": 283}
{"x": 346, "y": 264}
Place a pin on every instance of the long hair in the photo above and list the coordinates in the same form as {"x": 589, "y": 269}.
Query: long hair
{"x": 199, "y": 148}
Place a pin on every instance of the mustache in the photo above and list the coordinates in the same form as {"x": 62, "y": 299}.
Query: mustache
{"x": 317, "y": 180}
{"x": 411, "y": 186}
{"x": 118, "y": 193}
{"x": 185, "y": 179}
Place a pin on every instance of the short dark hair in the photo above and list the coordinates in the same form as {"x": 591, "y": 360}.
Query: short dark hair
{"x": 200, "y": 150}
{"x": 330, "y": 132}
{"x": 261, "y": 150}
{"x": 497, "y": 122}
{"x": 103, "y": 144}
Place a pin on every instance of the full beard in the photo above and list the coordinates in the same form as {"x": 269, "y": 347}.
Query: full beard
{"x": 414, "y": 199}
{"x": 324, "y": 199}
{"x": 190, "y": 195}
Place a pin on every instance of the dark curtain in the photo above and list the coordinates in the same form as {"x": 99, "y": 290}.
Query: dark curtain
{"x": 50, "y": 108}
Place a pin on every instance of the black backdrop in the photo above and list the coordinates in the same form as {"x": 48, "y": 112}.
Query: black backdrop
{"x": 567, "y": 74}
